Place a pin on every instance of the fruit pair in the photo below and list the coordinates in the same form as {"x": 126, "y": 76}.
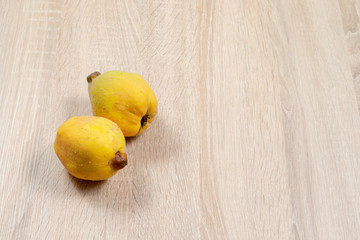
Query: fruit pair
{"x": 93, "y": 147}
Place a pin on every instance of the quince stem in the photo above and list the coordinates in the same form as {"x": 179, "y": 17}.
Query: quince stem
{"x": 92, "y": 76}
{"x": 119, "y": 161}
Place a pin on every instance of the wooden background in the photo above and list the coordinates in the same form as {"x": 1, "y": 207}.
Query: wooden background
{"x": 258, "y": 131}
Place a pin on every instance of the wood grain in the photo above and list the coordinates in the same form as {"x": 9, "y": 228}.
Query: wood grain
{"x": 257, "y": 135}
{"x": 350, "y": 12}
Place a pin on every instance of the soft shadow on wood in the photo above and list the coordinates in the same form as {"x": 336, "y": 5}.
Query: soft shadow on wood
{"x": 165, "y": 143}
{"x": 85, "y": 185}
{"x": 155, "y": 145}
{"x": 129, "y": 140}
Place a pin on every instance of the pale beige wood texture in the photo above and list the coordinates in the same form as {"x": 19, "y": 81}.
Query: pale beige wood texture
{"x": 257, "y": 135}
{"x": 350, "y": 10}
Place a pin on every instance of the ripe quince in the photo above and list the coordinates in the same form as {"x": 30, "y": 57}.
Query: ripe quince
{"x": 124, "y": 98}
{"x": 91, "y": 148}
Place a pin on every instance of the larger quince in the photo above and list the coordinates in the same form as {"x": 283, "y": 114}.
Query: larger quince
{"x": 124, "y": 98}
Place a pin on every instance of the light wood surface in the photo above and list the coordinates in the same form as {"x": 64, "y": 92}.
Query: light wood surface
{"x": 257, "y": 135}
{"x": 351, "y": 22}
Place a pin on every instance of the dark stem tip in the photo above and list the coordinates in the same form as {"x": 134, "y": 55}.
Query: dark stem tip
{"x": 119, "y": 161}
{"x": 92, "y": 76}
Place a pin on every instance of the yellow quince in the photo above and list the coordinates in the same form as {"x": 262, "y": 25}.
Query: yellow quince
{"x": 91, "y": 148}
{"x": 124, "y": 98}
